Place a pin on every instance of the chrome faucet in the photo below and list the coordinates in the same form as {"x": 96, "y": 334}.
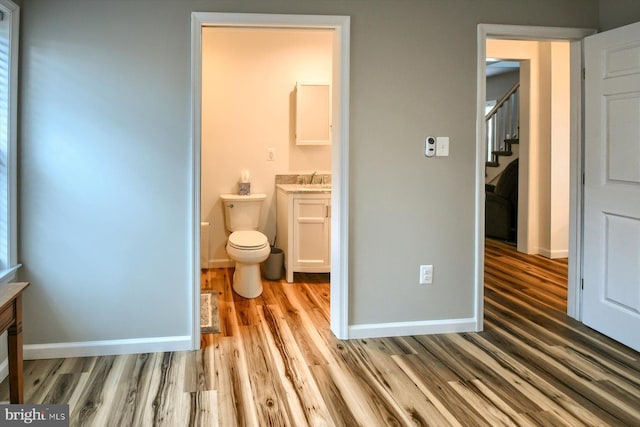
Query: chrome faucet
{"x": 313, "y": 177}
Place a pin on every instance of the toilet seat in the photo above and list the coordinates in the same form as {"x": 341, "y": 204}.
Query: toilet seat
{"x": 247, "y": 240}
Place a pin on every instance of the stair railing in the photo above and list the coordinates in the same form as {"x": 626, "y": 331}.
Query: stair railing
{"x": 502, "y": 122}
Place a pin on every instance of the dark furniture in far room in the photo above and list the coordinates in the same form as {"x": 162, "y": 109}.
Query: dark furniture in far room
{"x": 501, "y": 205}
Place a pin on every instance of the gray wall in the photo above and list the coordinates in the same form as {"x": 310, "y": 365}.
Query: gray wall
{"x": 104, "y": 157}
{"x": 617, "y": 13}
{"x": 498, "y": 86}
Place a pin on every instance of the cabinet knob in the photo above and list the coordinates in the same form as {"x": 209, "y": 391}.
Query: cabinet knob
{"x": 230, "y": 205}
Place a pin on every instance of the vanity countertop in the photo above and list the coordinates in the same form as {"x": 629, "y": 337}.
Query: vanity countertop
{"x": 308, "y": 188}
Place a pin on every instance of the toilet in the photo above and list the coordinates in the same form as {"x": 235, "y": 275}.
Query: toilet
{"x": 246, "y": 245}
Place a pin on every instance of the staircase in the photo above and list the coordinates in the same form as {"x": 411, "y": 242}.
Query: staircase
{"x": 503, "y": 127}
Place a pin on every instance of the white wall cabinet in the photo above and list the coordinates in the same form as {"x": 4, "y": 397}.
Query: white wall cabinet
{"x": 304, "y": 231}
{"x": 313, "y": 114}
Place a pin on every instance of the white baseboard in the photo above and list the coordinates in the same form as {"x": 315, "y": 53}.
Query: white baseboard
{"x": 425, "y": 327}
{"x": 106, "y": 348}
{"x": 552, "y": 254}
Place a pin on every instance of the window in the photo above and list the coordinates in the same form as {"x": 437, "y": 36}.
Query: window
{"x": 9, "y": 19}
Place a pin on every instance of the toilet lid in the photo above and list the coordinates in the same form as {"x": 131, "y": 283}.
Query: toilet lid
{"x": 247, "y": 239}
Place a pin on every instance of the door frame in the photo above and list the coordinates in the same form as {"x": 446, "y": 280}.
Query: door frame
{"x": 517, "y": 32}
{"x": 339, "y": 152}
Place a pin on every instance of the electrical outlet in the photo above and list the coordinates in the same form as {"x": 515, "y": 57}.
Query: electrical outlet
{"x": 271, "y": 154}
{"x": 426, "y": 274}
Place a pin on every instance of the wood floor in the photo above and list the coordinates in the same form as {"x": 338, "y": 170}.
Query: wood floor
{"x": 276, "y": 363}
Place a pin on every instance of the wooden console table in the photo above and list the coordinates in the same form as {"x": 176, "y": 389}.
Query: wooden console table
{"x": 11, "y": 321}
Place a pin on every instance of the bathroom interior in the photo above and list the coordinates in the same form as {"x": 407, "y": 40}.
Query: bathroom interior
{"x": 266, "y": 130}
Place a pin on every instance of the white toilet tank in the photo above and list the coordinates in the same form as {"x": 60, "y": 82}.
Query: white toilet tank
{"x": 242, "y": 212}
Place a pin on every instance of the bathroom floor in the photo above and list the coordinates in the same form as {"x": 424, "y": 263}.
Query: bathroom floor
{"x": 231, "y": 304}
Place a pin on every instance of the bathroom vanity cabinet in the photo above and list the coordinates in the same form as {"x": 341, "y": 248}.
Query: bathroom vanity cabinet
{"x": 304, "y": 229}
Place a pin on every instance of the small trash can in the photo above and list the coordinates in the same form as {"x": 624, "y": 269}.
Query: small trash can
{"x": 273, "y": 265}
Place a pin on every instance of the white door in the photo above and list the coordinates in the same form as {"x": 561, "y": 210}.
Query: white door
{"x": 611, "y": 273}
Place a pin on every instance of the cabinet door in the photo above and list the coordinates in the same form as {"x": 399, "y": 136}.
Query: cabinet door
{"x": 313, "y": 114}
{"x": 311, "y": 233}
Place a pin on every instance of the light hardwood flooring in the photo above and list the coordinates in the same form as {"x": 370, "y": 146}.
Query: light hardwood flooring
{"x": 275, "y": 362}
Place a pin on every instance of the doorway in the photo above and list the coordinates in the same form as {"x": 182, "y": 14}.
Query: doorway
{"x": 250, "y": 82}
{"x": 536, "y": 75}
{"x": 574, "y": 37}
{"x": 340, "y": 26}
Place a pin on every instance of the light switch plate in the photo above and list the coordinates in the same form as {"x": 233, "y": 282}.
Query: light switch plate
{"x": 442, "y": 146}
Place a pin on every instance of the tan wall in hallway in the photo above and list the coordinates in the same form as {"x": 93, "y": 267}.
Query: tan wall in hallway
{"x": 560, "y": 150}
